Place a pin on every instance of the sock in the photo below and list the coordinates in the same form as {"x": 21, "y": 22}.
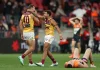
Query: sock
{"x": 53, "y": 60}
{"x": 31, "y": 62}
{"x": 91, "y": 62}
{"x": 42, "y": 61}
{"x": 23, "y": 56}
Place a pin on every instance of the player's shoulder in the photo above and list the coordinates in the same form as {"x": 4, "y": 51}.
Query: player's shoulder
{"x": 52, "y": 20}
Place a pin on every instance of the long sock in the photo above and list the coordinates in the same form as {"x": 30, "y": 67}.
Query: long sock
{"x": 31, "y": 62}
{"x": 91, "y": 62}
{"x": 42, "y": 61}
{"x": 53, "y": 60}
{"x": 23, "y": 56}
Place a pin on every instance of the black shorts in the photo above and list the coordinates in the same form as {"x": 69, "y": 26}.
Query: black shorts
{"x": 76, "y": 38}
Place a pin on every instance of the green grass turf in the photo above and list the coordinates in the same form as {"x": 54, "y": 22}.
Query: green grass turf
{"x": 11, "y": 62}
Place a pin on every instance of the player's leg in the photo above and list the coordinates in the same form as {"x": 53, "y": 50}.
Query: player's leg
{"x": 30, "y": 60}
{"x": 45, "y": 49}
{"x": 88, "y": 55}
{"x": 76, "y": 53}
{"x": 52, "y": 59}
{"x": 31, "y": 44}
{"x": 72, "y": 48}
{"x": 79, "y": 46}
{"x": 48, "y": 41}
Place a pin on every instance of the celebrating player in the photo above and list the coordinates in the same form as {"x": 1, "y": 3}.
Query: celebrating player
{"x": 80, "y": 63}
{"x": 50, "y": 25}
{"x": 27, "y": 33}
{"x": 77, "y": 24}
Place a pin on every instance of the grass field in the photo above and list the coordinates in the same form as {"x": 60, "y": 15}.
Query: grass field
{"x": 11, "y": 62}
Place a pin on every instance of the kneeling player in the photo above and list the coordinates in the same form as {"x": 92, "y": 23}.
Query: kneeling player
{"x": 80, "y": 63}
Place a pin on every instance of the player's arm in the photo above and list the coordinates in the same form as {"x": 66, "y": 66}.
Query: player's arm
{"x": 71, "y": 20}
{"x": 35, "y": 19}
{"x": 56, "y": 26}
{"x": 38, "y": 16}
{"x": 21, "y": 26}
{"x": 81, "y": 21}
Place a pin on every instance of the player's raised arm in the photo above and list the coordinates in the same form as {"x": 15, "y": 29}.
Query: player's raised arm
{"x": 37, "y": 15}
{"x": 56, "y": 26}
{"x": 71, "y": 20}
{"x": 35, "y": 19}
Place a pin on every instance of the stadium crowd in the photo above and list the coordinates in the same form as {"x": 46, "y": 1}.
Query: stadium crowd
{"x": 62, "y": 10}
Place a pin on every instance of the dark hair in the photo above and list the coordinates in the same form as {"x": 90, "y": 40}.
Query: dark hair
{"x": 30, "y": 6}
{"x": 76, "y": 19}
{"x": 69, "y": 66}
{"x": 48, "y": 12}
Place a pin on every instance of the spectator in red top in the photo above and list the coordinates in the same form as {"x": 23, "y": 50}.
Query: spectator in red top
{"x": 63, "y": 45}
{"x": 86, "y": 38}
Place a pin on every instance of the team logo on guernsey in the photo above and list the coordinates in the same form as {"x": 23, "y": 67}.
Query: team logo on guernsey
{"x": 47, "y": 21}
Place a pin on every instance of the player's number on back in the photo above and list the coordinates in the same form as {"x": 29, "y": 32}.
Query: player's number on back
{"x": 26, "y": 21}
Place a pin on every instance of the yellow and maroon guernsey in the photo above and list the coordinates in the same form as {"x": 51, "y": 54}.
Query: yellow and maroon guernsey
{"x": 49, "y": 28}
{"x": 27, "y": 22}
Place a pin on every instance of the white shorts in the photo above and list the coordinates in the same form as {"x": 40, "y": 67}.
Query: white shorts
{"x": 28, "y": 36}
{"x": 49, "y": 39}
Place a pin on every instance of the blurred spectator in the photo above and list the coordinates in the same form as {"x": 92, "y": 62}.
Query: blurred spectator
{"x": 53, "y": 5}
{"x": 58, "y": 15}
{"x": 13, "y": 29}
{"x": 79, "y": 12}
{"x": 68, "y": 6}
{"x": 85, "y": 38}
{"x": 1, "y": 8}
{"x": 96, "y": 35}
{"x": 94, "y": 15}
{"x": 36, "y": 3}
{"x": 46, "y": 4}
{"x": 64, "y": 45}
{"x": 3, "y": 28}
{"x": 16, "y": 12}
{"x": 8, "y": 9}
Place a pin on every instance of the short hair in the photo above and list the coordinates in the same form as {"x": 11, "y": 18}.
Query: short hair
{"x": 48, "y": 12}
{"x": 30, "y": 6}
{"x": 69, "y": 66}
{"x": 76, "y": 19}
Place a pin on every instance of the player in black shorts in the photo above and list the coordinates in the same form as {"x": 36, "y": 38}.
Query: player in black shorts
{"x": 77, "y": 25}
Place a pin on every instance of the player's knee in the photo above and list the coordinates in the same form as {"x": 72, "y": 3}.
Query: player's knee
{"x": 32, "y": 48}
{"x": 45, "y": 49}
{"x": 73, "y": 44}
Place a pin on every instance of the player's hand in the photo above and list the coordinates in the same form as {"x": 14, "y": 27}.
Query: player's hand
{"x": 22, "y": 36}
{"x": 61, "y": 37}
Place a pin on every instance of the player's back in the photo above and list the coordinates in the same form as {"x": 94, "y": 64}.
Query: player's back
{"x": 28, "y": 22}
